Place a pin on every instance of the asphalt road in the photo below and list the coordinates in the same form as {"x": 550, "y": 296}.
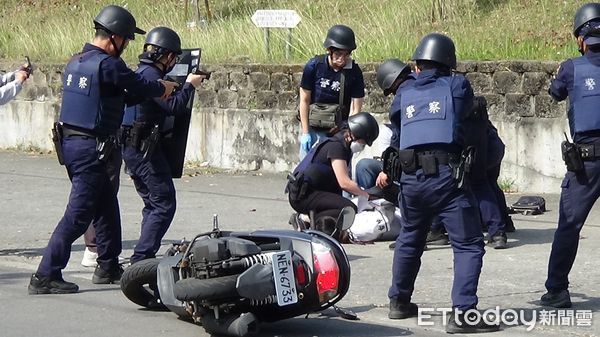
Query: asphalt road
{"x": 35, "y": 189}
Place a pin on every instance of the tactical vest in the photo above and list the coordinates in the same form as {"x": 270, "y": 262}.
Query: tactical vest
{"x": 427, "y": 115}
{"x": 585, "y": 98}
{"x": 319, "y": 94}
{"x": 147, "y": 111}
{"x": 318, "y": 175}
{"x": 82, "y": 104}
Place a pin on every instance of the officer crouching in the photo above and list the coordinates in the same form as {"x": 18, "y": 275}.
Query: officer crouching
{"x": 431, "y": 113}
{"x": 144, "y": 125}
{"x": 93, "y": 102}
{"x": 316, "y": 185}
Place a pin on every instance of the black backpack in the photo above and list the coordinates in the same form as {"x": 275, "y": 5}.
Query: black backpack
{"x": 529, "y": 205}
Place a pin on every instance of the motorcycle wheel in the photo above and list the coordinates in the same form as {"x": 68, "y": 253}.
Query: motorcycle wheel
{"x": 138, "y": 282}
{"x": 211, "y": 289}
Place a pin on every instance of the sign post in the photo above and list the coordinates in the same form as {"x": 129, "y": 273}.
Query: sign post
{"x": 276, "y": 18}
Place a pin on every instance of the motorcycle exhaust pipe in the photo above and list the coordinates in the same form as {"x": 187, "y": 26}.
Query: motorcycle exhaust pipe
{"x": 243, "y": 325}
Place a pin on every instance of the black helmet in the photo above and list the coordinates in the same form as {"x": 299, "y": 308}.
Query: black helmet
{"x": 584, "y": 14}
{"x": 117, "y": 20}
{"x": 364, "y": 126}
{"x": 436, "y": 47}
{"x": 388, "y": 72}
{"x": 340, "y": 37}
{"x": 164, "y": 37}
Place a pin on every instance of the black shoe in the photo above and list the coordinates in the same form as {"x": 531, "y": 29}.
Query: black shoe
{"x": 498, "y": 241}
{"x": 46, "y": 285}
{"x": 298, "y": 223}
{"x": 392, "y": 245}
{"x": 458, "y": 324}
{"x": 401, "y": 310}
{"x": 560, "y": 299}
{"x": 437, "y": 238}
{"x": 112, "y": 276}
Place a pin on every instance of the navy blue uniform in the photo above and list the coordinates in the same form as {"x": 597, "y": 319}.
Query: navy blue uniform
{"x": 92, "y": 107}
{"x": 579, "y": 80}
{"x": 430, "y": 113}
{"x": 152, "y": 177}
{"x": 323, "y": 82}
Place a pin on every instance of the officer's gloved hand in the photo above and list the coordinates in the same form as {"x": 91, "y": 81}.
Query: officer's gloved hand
{"x": 306, "y": 142}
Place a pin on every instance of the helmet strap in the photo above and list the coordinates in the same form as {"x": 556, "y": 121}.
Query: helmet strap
{"x": 119, "y": 50}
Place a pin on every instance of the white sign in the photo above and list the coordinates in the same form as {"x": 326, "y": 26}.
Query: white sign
{"x": 276, "y": 18}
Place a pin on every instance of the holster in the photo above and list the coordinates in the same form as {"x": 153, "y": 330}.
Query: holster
{"x": 462, "y": 167}
{"x": 105, "y": 147}
{"x": 149, "y": 143}
{"x": 297, "y": 186}
{"x": 571, "y": 155}
{"x": 391, "y": 163}
{"x": 57, "y": 137}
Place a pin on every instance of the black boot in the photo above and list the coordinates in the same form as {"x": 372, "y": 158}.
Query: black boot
{"x": 401, "y": 310}
{"x": 560, "y": 299}
{"x": 437, "y": 238}
{"x": 111, "y": 276}
{"x": 46, "y": 285}
{"x": 457, "y": 323}
{"x": 498, "y": 241}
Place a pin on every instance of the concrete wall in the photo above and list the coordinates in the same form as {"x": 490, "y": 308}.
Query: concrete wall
{"x": 244, "y": 117}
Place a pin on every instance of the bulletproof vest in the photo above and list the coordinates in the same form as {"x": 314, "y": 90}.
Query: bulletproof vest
{"x": 147, "y": 111}
{"x": 585, "y": 97}
{"x": 82, "y": 104}
{"x": 318, "y": 175}
{"x": 325, "y": 90}
{"x": 427, "y": 115}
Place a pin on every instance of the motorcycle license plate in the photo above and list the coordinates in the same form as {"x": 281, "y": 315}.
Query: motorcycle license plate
{"x": 285, "y": 283}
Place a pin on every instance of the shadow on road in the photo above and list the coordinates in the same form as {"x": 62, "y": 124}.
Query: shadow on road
{"x": 329, "y": 327}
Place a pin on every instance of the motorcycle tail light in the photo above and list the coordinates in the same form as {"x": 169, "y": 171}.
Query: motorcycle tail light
{"x": 328, "y": 271}
{"x": 300, "y": 274}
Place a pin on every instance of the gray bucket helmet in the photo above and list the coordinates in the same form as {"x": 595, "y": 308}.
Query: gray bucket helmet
{"x": 388, "y": 72}
{"x": 436, "y": 47}
{"x": 118, "y": 21}
{"x": 364, "y": 126}
{"x": 340, "y": 37}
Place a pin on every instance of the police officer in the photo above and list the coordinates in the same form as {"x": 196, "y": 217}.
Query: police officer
{"x": 430, "y": 113}
{"x": 320, "y": 178}
{"x": 150, "y": 172}
{"x": 390, "y": 74}
{"x": 578, "y": 79}
{"x": 322, "y": 83}
{"x": 92, "y": 108}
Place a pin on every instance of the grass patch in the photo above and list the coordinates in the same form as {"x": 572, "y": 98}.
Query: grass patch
{"x": 52, "y": 30}
{"x": 507, "y": 185}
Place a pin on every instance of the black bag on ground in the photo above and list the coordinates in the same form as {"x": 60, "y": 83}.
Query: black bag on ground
{"x": 529, "y": 205}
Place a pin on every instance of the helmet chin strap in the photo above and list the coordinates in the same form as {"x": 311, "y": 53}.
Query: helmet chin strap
{"x": 117, "y": 49}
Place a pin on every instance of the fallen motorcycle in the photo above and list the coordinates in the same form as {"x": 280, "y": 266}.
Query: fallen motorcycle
{"x": 230, "y": 282}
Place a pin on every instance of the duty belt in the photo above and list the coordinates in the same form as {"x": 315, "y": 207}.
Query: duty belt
{"x": 69, "y": 131}
{"x": 589, "y": 151}
{"x": 442, "y": 157}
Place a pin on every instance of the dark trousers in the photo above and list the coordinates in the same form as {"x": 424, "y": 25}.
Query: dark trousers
{"x": 422, "y": 198}
{"x": 578, "y": 195}
{"x": 322, "y": 204}
{"x": 489, "y": 208}
{"x": 154, "y": 184}
{"x": 493, "y": 174}
{"x": 92, "y": 199}
{"x": 114, "y": 169}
